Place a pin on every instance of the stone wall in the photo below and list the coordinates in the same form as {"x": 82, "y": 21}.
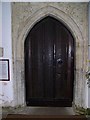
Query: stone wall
{"x": 6, "y": 87}
{"x": 74, "y": 16}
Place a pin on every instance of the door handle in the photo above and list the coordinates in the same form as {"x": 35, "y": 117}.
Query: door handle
{"x": 59, "y": 61}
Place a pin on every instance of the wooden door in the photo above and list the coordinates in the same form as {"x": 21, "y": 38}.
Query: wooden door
{"x": 49, "y": 64}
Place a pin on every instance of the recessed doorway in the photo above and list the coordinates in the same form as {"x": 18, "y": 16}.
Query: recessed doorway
{"x": 49, "y": 64}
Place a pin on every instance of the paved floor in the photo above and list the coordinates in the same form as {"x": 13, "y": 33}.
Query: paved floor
{"x": 39, "y": 111}
{"x": 46, "y": 111}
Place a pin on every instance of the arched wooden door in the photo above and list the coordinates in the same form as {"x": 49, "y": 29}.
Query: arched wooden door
{"x": 49, "y": 64}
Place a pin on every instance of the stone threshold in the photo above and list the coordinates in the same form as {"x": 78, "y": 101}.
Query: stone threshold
{"x": 45, "y": 117}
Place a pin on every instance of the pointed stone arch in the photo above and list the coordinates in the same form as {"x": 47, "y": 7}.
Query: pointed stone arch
{"x": 18, "y": 51}
{"x": 26, "y": 26}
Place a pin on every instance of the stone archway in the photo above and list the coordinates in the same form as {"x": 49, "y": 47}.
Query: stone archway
{"x": 18, "y": 52}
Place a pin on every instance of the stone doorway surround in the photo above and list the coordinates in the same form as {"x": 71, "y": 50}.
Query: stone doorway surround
{"x": 74, "y": 16}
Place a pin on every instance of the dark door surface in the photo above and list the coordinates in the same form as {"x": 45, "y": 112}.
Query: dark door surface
{"x": 49, "y": 64}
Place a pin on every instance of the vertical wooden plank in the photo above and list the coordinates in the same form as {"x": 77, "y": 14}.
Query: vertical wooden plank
{"x": 37, "y": 61}
{"x": 48, "y": 60}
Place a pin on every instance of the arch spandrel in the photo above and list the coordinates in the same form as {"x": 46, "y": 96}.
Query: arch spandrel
{"x": 40, "y": 14}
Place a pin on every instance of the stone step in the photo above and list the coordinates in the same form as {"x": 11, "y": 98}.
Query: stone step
{"x": 44, "y": 117}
